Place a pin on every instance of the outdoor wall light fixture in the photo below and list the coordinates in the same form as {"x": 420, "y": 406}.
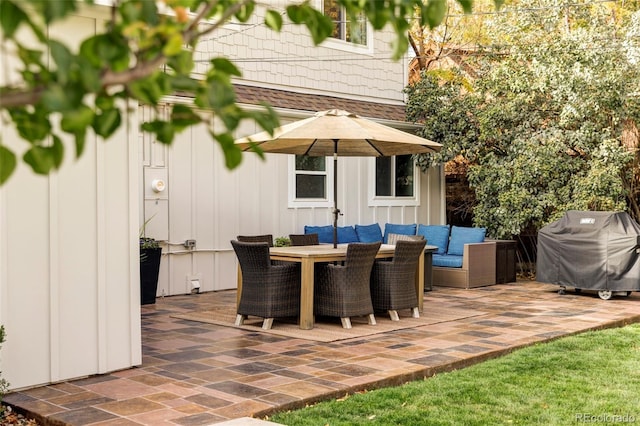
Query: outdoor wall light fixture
{"x": 158, "y": 185}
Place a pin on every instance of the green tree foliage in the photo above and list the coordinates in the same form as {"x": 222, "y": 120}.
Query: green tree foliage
{"x": 549, "y": 124}
{"x": 142, "y": 55}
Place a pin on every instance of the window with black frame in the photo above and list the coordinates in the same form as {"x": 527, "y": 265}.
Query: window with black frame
{"x": 394, "y": 176}
{"x": 311, "y": 177}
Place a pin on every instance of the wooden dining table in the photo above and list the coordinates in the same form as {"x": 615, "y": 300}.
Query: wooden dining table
{"x": 308, "y": 256}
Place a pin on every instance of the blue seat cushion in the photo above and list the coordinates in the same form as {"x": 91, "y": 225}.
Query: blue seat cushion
{"x": 392, "y": 228}
{"x": 436, "y": 235}
{"x": 461, "y": 235}
{"x": 325, "y": 233}
{"x": 346, "y": 234}
{"x": 447, "y": 260}
{"x": 369, "y": 233}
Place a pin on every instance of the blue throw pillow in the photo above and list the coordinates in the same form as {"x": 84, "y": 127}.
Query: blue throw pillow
{"x": 325, "y": 233}
{"x": 346, "y": 234}
{"x": 369, "y": 233}
{"x": 461, "y": 235}
{"x": 392, "y": 228}
{"x": 436, "y": 235}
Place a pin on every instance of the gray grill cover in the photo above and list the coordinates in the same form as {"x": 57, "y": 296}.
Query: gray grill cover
{"x": 590, "y": 250}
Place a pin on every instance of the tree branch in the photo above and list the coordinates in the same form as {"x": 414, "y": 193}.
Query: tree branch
{"x": 142, "y": 69}
{"x": 228, "y": 13}
{"x": 17, "y": 98}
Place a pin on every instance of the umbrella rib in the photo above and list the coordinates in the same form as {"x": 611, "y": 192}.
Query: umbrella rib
{"x": 310, "y": 146}
{"x": 374, "y": 147}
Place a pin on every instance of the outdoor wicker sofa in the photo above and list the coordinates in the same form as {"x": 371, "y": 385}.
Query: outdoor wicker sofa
{"x": 463, "y": 259}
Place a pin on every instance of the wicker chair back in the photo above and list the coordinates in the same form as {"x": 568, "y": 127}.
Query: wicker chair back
{"x": 267, "y": 238}
{"x": 304, "y": 239}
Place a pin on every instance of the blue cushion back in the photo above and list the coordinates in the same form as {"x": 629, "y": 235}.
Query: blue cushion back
{"x": 392, "y": 228}
{"x": 346, "y": 234}
{"x": 461, "y": 235}
{"x": 325, "y": 233}
{"x": 436, "y": 235}
{"x": 369, "y": 233}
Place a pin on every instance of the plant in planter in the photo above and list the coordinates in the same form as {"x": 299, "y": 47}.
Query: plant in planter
{"x": 282, "y": 242}
{"x": 150, "y": 254}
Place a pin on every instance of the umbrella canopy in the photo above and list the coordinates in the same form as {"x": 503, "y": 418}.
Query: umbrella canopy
{"x": 356, "y": 137}
{"x": 338, "y": 133}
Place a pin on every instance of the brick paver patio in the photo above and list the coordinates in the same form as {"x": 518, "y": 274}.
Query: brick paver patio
{"x": 201, "y": 374}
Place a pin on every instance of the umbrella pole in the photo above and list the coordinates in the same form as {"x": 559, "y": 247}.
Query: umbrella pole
{"x": 336, "y": 211}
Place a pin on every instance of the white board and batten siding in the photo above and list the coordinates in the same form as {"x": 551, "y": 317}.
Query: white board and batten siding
{"x": 69, "y": 275}
{"x": 205, "y": 202}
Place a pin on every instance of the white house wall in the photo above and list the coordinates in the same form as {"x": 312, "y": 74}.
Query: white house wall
{"x": 212, "y": 205}
{"x": 69, "y": 277}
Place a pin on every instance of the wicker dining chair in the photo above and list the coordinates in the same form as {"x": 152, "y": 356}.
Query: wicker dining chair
{"x": 304, "y": 239}
{"x": 267, "y": 238}
{"x": 393, "y": 282}
{"x": 268, "y": 291}
{"x": 394, "y": 238}
{"x": 343, "y": 290}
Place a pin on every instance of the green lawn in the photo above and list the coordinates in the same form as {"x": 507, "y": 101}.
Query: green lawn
{"x": 589, "y": 378}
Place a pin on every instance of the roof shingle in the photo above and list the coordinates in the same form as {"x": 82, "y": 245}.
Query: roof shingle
{"x": 311, "y": 102}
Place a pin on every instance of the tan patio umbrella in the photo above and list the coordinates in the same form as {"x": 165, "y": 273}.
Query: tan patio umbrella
{"x": 338, "y": 133}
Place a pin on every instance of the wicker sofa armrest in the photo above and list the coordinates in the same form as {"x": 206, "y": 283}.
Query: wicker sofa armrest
{"x": 478, "y": 268}
{"x": 480, "y": 257}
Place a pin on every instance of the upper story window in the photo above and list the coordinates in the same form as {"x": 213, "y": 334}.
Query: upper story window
{"x": 345, "y": 29}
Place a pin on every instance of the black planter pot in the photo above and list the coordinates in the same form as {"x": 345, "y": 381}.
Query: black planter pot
{"x": 149, "y": 270}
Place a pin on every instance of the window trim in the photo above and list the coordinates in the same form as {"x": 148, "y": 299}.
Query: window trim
{"x": 348, "y": 46}
{"x": 385, "y": 201}
{"x": 294, "y": 202}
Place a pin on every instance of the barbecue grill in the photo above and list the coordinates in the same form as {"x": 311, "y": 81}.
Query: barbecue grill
{"x": 591, "y": 251}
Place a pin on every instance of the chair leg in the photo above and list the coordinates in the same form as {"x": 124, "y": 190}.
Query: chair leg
{"x": 240, "y": 319}
{"x": 372, "y": 319}
{"x": 393, "y": 314}
{"x": 267, "y": 323}
{"x": 415, "y": 312}
{"x": 346, "y": 322}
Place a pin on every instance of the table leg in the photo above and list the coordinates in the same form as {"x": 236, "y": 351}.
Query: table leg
{"x": 420, "y": 282}
{"x": 306, "y": 294}
{"x": 428, "y": 271}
